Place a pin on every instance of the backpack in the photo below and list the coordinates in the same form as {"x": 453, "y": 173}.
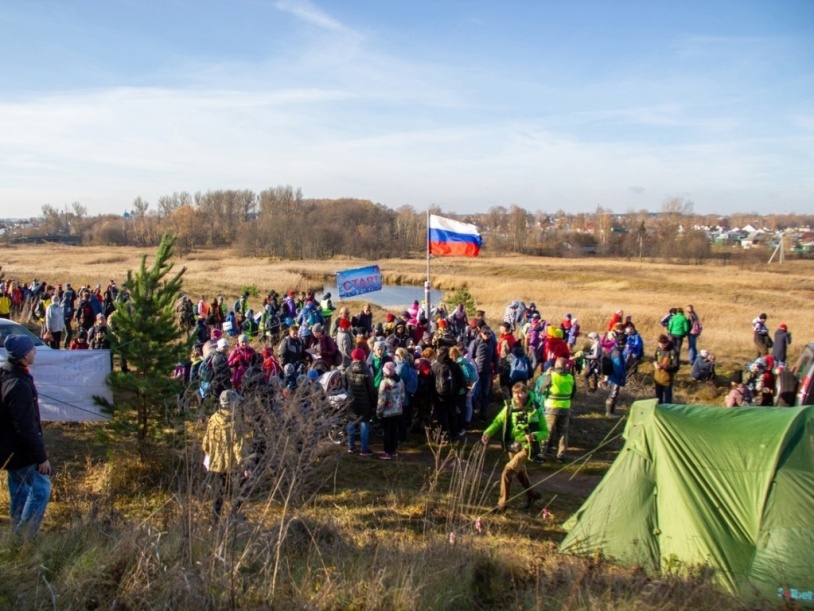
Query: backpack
{"x": 445, "y": 381}
{"x": 519, "y": 369}
{"x": 206, "y": 371}
{"x": 606, "y": 365}
{"x": 410, "y": 379}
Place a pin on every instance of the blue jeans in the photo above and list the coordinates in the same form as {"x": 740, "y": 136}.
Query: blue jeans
{"x": 664, "y": 394}
{"x": 29, "y": 493}
{"x": 692, "y": 340}
{"x": 364, "y": 434}
{"x": 480, "y": 398}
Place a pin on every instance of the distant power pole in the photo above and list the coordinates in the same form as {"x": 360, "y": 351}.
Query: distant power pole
{"x": 780, "y": 248}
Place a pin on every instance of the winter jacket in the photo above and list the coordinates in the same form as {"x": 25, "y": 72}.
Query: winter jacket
{"x": 668, "y": 359}
{"x": 55, "y": 317}
{"x": 391, "y": 397}
{"x": 484, "y": 354}
{"x": 782, "y": 340}
{"x": 21, "y": 442}
{"x": 513, "y": 424}
{"x": 619, "y": 375}
{"x": 361, "y": 393}
{"x": 678, "y": 326}
{"x": 224, "y": 442}
{"x": 344, "y": 343}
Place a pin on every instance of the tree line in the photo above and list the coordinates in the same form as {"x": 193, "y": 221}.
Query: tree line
{"x": 279, "y": 222}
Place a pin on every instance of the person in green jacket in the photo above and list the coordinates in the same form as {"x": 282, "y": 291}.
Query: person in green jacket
{"x": 678, "y": 327}
{"x": 523, "y": 428}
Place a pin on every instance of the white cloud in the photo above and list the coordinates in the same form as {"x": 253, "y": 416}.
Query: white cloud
{"x": 306, "y": 11}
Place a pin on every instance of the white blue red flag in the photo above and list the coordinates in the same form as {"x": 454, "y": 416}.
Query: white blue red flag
{"x": 453, "y": 238}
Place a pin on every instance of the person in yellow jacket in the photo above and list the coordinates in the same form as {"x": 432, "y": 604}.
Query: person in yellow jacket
{"x": 226, "y": 449}
{"x": 555, "y": 389}
{"x": 522, "y": 428}
{"x": 5, "y": 305}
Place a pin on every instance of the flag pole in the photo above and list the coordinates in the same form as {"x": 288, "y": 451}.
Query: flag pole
{"x": 427, "y": 284}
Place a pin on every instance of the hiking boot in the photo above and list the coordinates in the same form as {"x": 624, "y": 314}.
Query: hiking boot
{"x": 531, "y": 497}
{"x": 538, "y": 458}
{"x": 561, "y": 459}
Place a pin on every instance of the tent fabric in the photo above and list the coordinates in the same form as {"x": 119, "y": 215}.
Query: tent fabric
{"x": 731, "y": 489}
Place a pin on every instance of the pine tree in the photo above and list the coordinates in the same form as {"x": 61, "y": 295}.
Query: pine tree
{"x": 145, "y": 335}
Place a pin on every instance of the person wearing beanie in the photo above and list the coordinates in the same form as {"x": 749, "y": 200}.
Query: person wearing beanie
{"x": 703, "y": 368}
{"x": 225, "y": 446}
{"x": 389, "y": 408}
{"x": 360, "y": 402}
{"x": 344, "y": 343}
{"x": 239, "y": 360}
{"x": 22, "y": 448}
{"x": 782, "y": 341}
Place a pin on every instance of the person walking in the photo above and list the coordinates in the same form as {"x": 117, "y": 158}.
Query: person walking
{"x": 556, "y": 392}
{"x": 522, "y": 429}
{"x": 225, "y": 446}
{"x": 22, "y": 448}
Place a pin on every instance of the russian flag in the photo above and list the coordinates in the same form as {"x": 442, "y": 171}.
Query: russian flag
{"x": 453, "y": 238}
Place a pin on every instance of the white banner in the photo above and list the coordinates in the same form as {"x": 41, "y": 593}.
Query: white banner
{"x": 67, "y": 381}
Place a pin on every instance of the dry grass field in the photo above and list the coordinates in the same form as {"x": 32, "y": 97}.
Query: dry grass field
{"x": 350, "y": 533}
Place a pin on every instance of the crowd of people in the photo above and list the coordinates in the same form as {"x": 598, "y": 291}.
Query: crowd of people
{"x": 411, "y": 370}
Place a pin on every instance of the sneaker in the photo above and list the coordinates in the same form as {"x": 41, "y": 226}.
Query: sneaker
{"x": 351, "y": 450}
{"x": 385, "y": 456}
{"x": 538, "y": 458}
{"x": 365, "y": 453}
{"x": 561, "y": 459}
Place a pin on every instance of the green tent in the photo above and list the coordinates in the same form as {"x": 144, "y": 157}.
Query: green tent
{"x": 731, "y": 489}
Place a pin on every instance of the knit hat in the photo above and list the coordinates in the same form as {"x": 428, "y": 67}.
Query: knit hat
{"x": 784, "y": 327}
{"x": 215, "y": 333}
{"x": 390, "y": 317}
{"x": 229, "y": 398}
{"x": 312, "y": 375}
{"x": 357, "y": 354}
{"x": 223, "y": 343}
{"x": 318, "y": 328}
{"x": 704, "y": 353}
{"x": 380, "y": 344}
{"x": 242, "y": 338}
{"x": 389, "y": 368}
{"x": 18, "y": 346}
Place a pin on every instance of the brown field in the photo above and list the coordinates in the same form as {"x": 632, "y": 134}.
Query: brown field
{"x": 361, "y": 534}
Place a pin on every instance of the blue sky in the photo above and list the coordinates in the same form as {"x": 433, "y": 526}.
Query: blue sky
{"x": 466, "y": 104}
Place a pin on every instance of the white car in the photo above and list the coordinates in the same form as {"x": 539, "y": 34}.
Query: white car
{"x": 9, "y": 327}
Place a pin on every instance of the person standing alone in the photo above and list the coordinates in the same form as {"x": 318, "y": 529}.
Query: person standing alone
{"x": 22, "y": 448}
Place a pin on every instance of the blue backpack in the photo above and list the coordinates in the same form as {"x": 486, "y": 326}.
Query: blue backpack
{"x": 520, "y": 369}
{"x": 410, "y": 379}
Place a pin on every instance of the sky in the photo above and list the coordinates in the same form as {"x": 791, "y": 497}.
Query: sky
{"x": 464, "y": 104}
